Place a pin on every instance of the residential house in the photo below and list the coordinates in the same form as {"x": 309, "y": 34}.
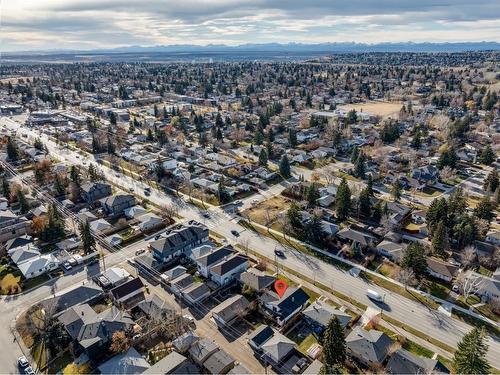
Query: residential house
{"x": 149, "y": 221}
{"x": 93, "y": 331}
{"x": 128, "y": 294}
{"x": 404, "y": 362}
{"x": 130, "y": 362}
{"x": 94, "y": 191}
{"x": 134, "y": 212}
{"x": 286, "y": 307}
{"x": 274, "y": 347}
{"x": 112, "y": 277}
{"x": 256, "y": 279}
{"x": 173, "y": 363}
{"x": 179, "y": 241}
{"x": 196, "y": 293}
{"x": 154, "y": 308}
{"x": 368, "y": 347}
{"x": 206, "y": 260}
{"x": 428, "y": 174}
{"x": 233, "y": 308}
{"x": 202, "y": 349}
{"x": 391, "y": 250}
{"x": 441, "y": 269}
{"x": 37, "y": 266}
{"x": 360, "y": 240}
{"x": 100, "y": 225}
{"x": 117, "y": 204}
{"x": 319, "y": 314}
{"x": 12, "y": 226}
{"x": 488, "y": 288}
{"x": 493, "y": 237}
{"x": 173, "y": 273}
{"x": 219, "y": 362}
{"x": 228, "y": 269}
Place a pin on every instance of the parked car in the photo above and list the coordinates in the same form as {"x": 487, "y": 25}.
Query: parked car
{"x": 22, "y": 361}
{"x": 205, "y": 214}
{"x": 235, "y": 233}
{"x": 147, "y": 193}
{"x": 29, "y": 371}
{"x": 140, "y": 251}
{"x": 67, "y": 266}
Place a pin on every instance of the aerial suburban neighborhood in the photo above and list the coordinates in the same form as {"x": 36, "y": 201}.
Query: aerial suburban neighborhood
{"x": 319, "y": 214}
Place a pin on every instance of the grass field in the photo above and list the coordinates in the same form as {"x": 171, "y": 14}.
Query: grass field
{"x": 376, "y": 108}
{"x": 268, "y": 211}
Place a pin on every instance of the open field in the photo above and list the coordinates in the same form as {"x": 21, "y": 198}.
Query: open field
{"x": 268, "y": 211}
{"x": 384, "y": 109}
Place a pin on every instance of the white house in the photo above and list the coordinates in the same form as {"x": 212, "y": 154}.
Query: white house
{"x": 38, "y": 265}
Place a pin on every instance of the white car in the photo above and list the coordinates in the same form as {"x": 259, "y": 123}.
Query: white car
{"x": 29, "y": 371}
{"x": 22, "y": 361}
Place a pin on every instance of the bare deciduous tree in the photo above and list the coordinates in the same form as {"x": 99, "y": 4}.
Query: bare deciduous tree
{"x": 468, "y": 284}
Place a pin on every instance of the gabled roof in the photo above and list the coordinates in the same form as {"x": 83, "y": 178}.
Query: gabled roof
{"x": 231, "y": 308}
{"x": 370, "y": 345}
{"x": 18, "y": 242}
{"x": 202, "y": 349}
{"x": 256, "y": 279}
{"x": 23, "y": 254}
{"x": 229, "y": 264}
{"x": 167, "y": 365}
{"x": 442, "y": 268}
{"x": 215, "y": 256}
{"x": 322, "y": 312}
{"x": 127, "y": 288}
{"x": 404, "y": 362}
{"x": 86, "y": 326}
{"x": 218, "y": 362}
{"x": 362, "y": 238}
{"x": 288, "y": 302}
{"x": 130, "y": 362}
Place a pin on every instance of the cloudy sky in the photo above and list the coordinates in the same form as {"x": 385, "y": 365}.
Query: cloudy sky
{"x": 88, "y": 24}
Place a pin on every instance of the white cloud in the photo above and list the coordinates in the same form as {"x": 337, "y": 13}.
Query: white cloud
{"x": 49, "y": 24}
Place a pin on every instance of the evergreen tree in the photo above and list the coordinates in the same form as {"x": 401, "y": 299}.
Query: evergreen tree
{"x": 343, "y": 200}
{"x": 359, "y": 166}
{"x": 440, "y": 240}
{"x": 285, "y": 167}
{"x": 87, "y": 237}
{"x": 292, "y": 138}
{"x": 222, "y": 192}
{"x": 312, "y": 195}
{"x": 12, "y": 151}
{"x": 24, "y": 206}
{"x": 354, "y": 154}
{"x": 369, "y": 185}
{"x": 74, "y": 174}
{"x": 470, "y": 357}
{"x": 55, "y": 225}
{"x": 484, "y": 209}
{"x": 438, "y": 211}
{"x": 487, "y": 156}
{"x": 313, "y": 230}
{"x": 364, "y": 204}
{"x": 414, "y": 258}
{"x": 491, "y": 182}
{"x": 448, "y": 158}
{"x": 263, "y": 158}
{"x": 294, "y": 217}
{"x": 334, "y": 346}
{"x": 396, "y": 190}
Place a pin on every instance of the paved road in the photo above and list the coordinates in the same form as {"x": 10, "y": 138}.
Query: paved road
{"x": 434, "y": 324}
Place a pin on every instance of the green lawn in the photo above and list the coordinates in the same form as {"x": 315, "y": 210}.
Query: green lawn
{"x": 307, "y": 342}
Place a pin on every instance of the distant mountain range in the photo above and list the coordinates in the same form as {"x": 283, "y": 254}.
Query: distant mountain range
{"x": 342, "y": 47}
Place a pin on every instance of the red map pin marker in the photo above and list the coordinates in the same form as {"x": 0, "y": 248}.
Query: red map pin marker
{"x": 280, "y": 286}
